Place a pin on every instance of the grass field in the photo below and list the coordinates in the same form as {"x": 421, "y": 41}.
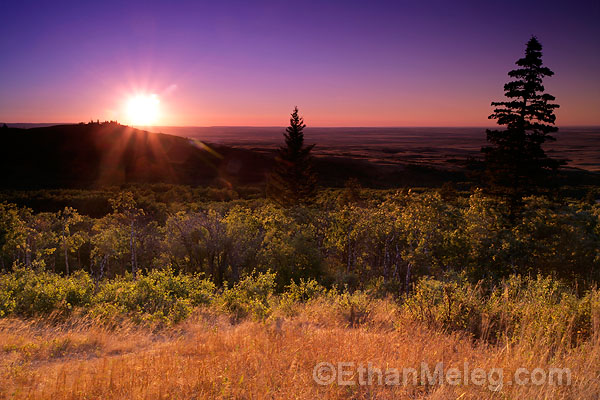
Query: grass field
{"x": 209, "y": 356}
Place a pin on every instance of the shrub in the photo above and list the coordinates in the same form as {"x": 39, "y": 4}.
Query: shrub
{"x": 451, "y": 305}
{"x": 158, "y": 296}
{"x": 540, "y": 311}
{"x": 250, "y": 296}
{"x": 27, "y": 292}
{"x": 534, "y": 311}
{"x": 298, "y": 293}
{"x": 355, "y": 307}
{"x": 304, "y": 291}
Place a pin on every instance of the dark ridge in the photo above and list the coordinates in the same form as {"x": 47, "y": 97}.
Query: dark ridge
{"x": 106, "y": 154}
{"x": 99, "y": 155}
{"x": 103, "y": 154}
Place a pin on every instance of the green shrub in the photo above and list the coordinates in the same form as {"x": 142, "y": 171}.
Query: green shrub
{"x": 158, "y": 296}
{"x": 381, "y": 288}
{"x": 540, "y": 311}
{"x": 298, "y": 293}
{"x": 251, "y": 296}
{"x": 535, "y": 311}
{"x": 27, "y": 292}
{"x": 451, "y": 305}
{"x": 304, "y": 291}
{"x": 355, "y": 307}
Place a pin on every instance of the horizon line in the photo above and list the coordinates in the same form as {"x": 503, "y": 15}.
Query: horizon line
{"x": 284, "y": 126}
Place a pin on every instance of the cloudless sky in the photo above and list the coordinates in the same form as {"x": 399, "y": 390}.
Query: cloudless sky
{"x": 344, "y": 63}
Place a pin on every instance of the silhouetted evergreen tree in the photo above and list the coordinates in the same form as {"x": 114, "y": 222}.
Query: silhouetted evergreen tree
{"x": 516, "y": 164}
{"x": 293, "y": 180}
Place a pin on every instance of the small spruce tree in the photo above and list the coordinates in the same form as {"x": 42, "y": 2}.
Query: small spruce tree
{"x": 293, "y": 180}
{"x": 516, "y": 163}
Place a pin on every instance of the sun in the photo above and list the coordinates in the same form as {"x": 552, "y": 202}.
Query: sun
{"x": 143, "y": 109}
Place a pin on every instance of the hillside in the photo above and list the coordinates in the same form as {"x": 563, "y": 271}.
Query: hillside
{"x": 90, "y": 155}
{"x": 96, "y": 155}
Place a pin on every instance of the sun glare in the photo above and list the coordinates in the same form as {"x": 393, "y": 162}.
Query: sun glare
{"x": 143, "y": 109}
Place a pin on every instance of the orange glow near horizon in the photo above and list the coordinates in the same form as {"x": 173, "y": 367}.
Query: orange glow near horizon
{"x": 185, "y": 103}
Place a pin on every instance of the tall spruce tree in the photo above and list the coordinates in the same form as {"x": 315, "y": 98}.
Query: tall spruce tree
{"x": 516, "y": 164}
{"x": 293, "y": 180}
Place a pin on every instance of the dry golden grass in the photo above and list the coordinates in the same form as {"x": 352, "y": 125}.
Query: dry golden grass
{"x": 209, "y": 357}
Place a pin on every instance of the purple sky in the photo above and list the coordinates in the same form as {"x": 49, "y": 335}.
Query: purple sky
{"x": 344, "y": 63}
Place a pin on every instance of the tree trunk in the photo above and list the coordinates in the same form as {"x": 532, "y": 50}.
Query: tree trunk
{"x": 102, "y": 266}
{"x": 386, "y": 262}
{"x": 27, "y": 253}
{"x": 131, "y": 245}
{"x": 66, "y": 251}
{"x": 349, "y": 254}
{"x": 408, "y": 277}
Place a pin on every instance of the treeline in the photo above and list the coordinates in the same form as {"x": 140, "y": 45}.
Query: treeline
{"x": 352, "y": 237}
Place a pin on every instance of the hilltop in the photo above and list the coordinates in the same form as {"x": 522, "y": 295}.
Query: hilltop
{"x": 100, "y": 154}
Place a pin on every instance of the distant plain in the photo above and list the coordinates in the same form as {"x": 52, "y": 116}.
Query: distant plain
{"x": 441, "y": 147}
